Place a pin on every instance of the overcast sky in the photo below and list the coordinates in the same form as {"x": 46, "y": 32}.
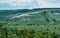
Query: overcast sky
{"x": 29, "y": 4}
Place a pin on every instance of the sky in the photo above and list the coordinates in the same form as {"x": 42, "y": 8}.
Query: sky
{"x": 29, "y": 4}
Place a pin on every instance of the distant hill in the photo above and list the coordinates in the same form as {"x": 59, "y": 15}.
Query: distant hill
{"x": 39, "y": 14}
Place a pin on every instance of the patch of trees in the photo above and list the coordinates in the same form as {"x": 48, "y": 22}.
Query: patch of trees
{"x": 44, "y": 13}
{"x": 26, "y": 33}
{"x": 54, "y": 20}
{"x": 32, "y": 24}
{"x": 52, "y": 12}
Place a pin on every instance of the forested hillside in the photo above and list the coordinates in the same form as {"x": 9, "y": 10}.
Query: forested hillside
{"x": 30, "y": 23}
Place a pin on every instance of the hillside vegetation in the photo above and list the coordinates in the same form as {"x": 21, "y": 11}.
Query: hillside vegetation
{"x": 33, "y": 23}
